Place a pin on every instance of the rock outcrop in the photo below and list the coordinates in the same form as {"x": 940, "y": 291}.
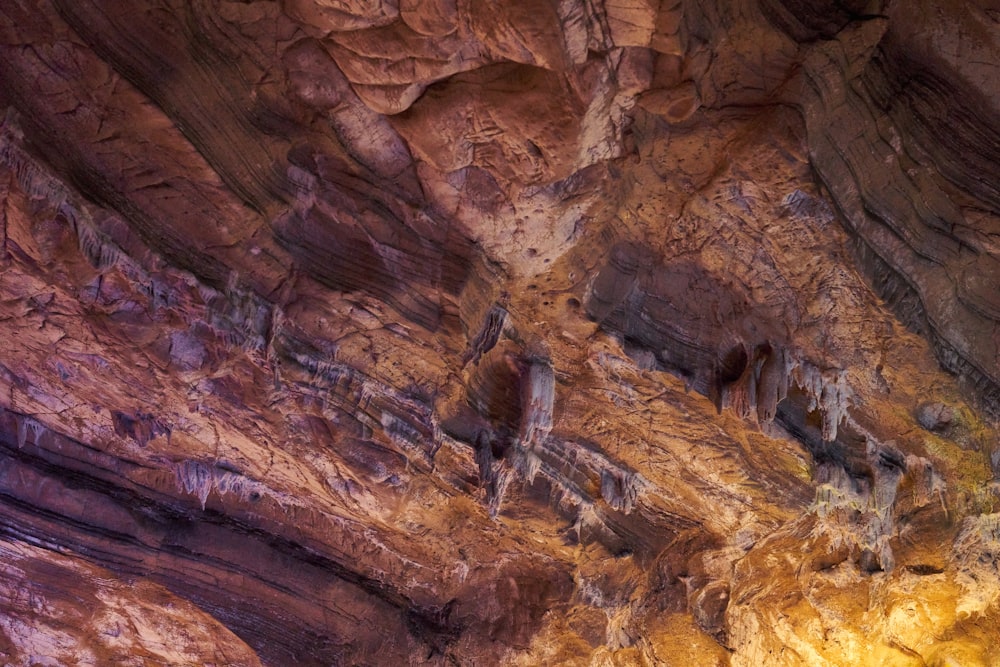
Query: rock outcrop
{"x": 577, "y": 332}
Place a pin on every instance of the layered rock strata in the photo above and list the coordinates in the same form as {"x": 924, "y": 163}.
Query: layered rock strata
{"x": 521, "y": 333}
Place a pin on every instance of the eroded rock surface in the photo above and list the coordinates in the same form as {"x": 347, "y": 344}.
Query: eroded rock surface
{"x": 499, "y": 333}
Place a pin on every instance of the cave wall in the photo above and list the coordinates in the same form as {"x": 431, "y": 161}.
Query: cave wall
{"x": 450, "y": 332}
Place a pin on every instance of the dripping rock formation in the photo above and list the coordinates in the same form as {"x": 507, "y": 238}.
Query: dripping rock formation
{"x": 537, "y": 332}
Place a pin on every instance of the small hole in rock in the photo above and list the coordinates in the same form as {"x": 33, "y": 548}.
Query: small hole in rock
{"x": 732, "y": 364}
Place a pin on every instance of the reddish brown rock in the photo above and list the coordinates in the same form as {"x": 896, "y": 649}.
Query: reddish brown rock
{"x": 519, "y": 333}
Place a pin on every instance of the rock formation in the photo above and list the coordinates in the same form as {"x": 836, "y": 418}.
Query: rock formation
{"x": 532, "y": 332}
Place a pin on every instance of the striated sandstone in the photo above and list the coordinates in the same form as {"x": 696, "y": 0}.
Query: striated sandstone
{"x": 577, "y": 332}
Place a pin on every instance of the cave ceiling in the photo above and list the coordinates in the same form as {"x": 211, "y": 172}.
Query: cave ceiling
{"x": 538, "y": 332}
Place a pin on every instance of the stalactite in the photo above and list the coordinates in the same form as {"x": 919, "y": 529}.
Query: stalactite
{"x": 537, "y": 400}
{"x": 828, "y": 393}
{"x": 196, "y": 479}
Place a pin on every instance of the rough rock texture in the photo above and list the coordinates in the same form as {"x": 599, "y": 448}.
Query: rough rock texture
{"x": 451, "y": 332}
